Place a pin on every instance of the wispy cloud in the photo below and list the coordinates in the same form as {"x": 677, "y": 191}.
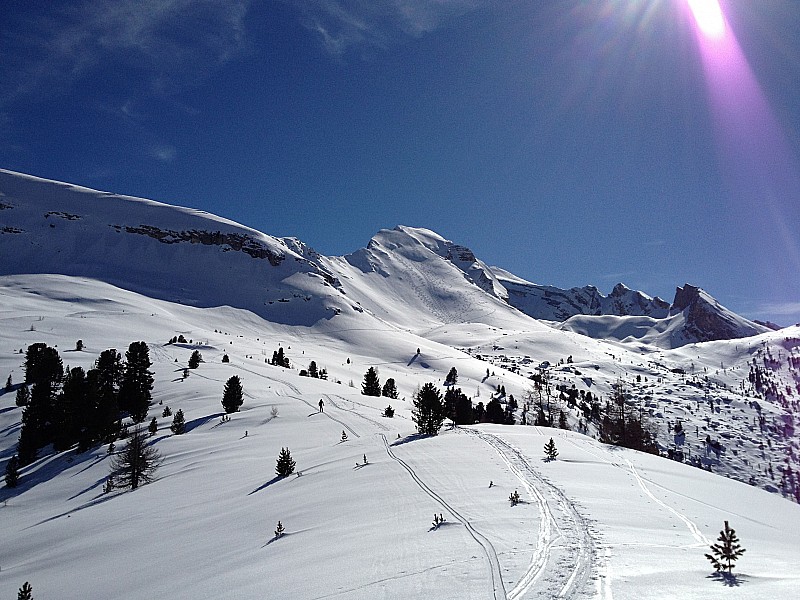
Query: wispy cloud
{"x": 163, "y": 152}
{"x": 780, "y": 308}
{"x": 166, "y": 42}
{"x": 344, "y": 24}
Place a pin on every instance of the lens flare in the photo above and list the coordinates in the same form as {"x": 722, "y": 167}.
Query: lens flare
{"x": 708, "y": 15}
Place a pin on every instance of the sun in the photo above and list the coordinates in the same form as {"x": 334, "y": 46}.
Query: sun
{"x": 708, "y": 15}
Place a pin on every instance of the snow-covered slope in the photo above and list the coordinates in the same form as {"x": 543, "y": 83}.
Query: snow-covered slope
{"x": 599, "y": 522}
{"x": 163, "y": 251}
{"x": 409, "y": 277}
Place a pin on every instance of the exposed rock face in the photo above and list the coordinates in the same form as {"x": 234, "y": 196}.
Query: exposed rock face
{"x": 235, "y": 241}
{"x": 707, "y": 320}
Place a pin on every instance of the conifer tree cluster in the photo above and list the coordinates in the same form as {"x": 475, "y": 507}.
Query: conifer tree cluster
{"x": 279, "y": 359}
{"x": 178, "y": 426}
{"x": 74, "y": 406}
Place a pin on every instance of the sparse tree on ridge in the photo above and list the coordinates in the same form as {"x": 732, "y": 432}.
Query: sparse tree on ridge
{"x": 371, "y": 385}
{"x": 232, "y": 395}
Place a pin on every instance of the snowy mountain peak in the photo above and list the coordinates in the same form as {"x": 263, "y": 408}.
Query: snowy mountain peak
{"x": 706, "y": 319}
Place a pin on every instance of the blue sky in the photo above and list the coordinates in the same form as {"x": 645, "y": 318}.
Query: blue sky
{"x": 571, "y": 142}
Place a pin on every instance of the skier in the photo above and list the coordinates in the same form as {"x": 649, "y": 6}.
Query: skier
{"x": 321, "y": 404}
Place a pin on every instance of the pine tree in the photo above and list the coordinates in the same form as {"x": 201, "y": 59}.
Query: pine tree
{"x": 137, "y": 382}
{"x": 389, "y": 389}
{"x": 550, "y": 450}
{"x": 136, "y": 464}
{"x": 428, "y": 412}
{"x": 388, "y": 411}
{"x": 495, "y": 412}
{"x": 12, "y": 472}
{"x": 178, "y": 426}
{"x": 562, "y": 420}
{"x": 452, "y": 377}
{"x": 279, "y": 530}
{"x": 167, "y": 412}
{"x": 25, "y": 592}
{"x": 285, "y": 465}
{"x": 344, "y": 435}
{"x": 195, "y": 359}
{"x": 8, "y": 384}
{"x": 226, "y": 358}
{"x": 232, "y": 395}
{"x": 514, "y": 498}
{"x": 312, "y": 370}
{"x": 42, "y": 363}
{"x": 371, "y": 385}
{"x": 724, "y": 554}
{"x": 153, "y": 427}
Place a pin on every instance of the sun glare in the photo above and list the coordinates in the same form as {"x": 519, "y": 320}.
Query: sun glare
{"x": 708, "y": 15}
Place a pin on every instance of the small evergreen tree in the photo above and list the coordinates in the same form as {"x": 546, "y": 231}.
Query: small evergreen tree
{"x": 389, "y": 389}
{"x": 550, "y": 450}
{"x": 8, "y": 384}
{"x": 167, "y": 412}
{"x": 195, "y": 359}
{"x": 136, "y": 464}
{"x": 371, "y": 386}
{"x": 344, "y": 435}
{"x": 452, "y": 377}
{"x": 232, "y": 395}
{"x": 312, "y": 370}
{"x": 79, "y": 345}
{"x": 12, "y": 472}
{"x": 724, "y": 554}
{"x": 514, "y": 498}
{"x": 153, "y": 427}
{"x": 388, "y": 411}
{"x": 225, "y": 358}
{"x": 178, "y": 426}
{"x": 285, "y": 465}
{"x": 25, "y": 592}
{"x": 279, "y": 530}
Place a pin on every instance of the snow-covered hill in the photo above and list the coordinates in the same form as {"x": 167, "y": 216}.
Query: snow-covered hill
{"x": 599, "y": 522}
{"x": 195, "y": 258}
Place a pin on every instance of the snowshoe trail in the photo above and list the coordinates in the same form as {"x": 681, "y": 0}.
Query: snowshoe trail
{"x": 497, "y": 587}
{"x": 563, "y": 563}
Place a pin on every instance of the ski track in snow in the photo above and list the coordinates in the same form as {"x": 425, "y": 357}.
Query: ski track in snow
{"x": 698, "y": 535}
{"x": 498, "y": 589}
{"x": 567, "y": 530}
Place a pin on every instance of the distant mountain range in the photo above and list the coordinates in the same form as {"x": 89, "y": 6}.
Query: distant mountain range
{"x": 410, "y": 277}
